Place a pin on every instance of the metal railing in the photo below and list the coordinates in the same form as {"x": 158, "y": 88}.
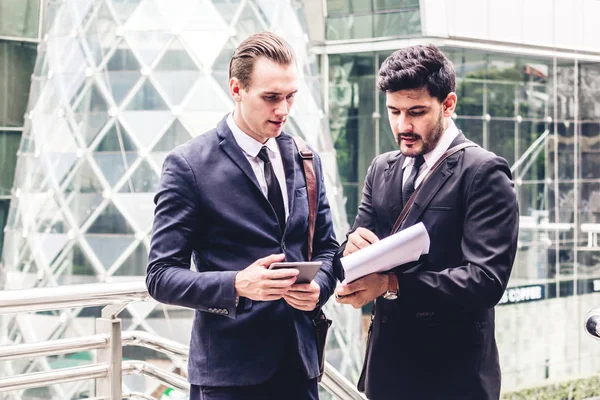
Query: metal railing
{"x": 108, "y": 342}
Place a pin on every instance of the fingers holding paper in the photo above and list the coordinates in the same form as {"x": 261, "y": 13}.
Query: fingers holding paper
{"x": 303, "y": 296}
{"x": 362, "y": 291}
{"x": 359, "y": 239}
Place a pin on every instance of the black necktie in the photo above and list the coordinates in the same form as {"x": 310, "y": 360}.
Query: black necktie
{"x": 273, "y": 189}
{"x": 409, "y": 186}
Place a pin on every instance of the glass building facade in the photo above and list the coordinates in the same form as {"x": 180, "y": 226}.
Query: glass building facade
{"x": 84, "y": 129}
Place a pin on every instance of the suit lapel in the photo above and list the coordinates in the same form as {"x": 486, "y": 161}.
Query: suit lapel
{"x": 433, "y": 185}
{"x": 288, "y": 151}
{"x": 235, "y": 152}
{"x": 393, "y": 184}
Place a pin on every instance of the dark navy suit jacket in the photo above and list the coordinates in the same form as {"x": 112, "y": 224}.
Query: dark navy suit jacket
{"x": 210, "y": 209}
{"x": 436, "y": 341}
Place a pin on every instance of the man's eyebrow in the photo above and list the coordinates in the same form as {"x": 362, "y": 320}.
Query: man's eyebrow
{"x": 278, "y": 93}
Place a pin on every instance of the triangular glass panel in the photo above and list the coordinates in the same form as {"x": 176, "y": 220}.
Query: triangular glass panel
{"x": 84, "y": 180}
{"x": 173, "y": 137}
{"x": 158, "y": 157}
{"x": 109, "y": 247}
{"x": 199, "y": 122}
{"x": 248, "y": 23}
{"x": 147, "y": 17}
{"x": 222, "y": 61}
{"x": 116, "y": 140}
{"x": 176, "y": 58}
{"x": 100, "y": 34}
{"x": 137, "y": 207}
{"x": 122, "y": 72}
{"x": 37, "y": 328}
{"x": 147, "y": 98}
{"x": 48, "y": 245}
{"x": 143, "y": 180}
{"x": 206, "y": 18}
{"x": 206, "y": 45}
{"x": 60, "y": 138}
{"x": 147, "y": 45}
{"x": 91, "y": 114}
{"x": 59, "y": 164}
{"x": 135, "y": 265}
{"x": 82, "y": 205}
{"x": 114, "y": 165}
{"x": 76, "y": 268}
{"x": 227, "y": 8}
{"x": 31, "y": 204}
{"x": 207, "y": 95}
{"x": 175, "y": 84}
{"x": 110, "y": 221}
{"x": 146, "y": 126}
{"x": 124, "y": 8}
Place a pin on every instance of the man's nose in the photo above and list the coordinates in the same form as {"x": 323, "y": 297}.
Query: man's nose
{"x": 404, "y": 125}
{"x": 283, "y": 108}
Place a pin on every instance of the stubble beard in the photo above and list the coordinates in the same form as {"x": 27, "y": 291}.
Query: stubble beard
{"x": 426, "y": 145}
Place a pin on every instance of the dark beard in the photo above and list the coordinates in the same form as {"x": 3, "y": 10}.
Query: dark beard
{"x": 434, "y": 137}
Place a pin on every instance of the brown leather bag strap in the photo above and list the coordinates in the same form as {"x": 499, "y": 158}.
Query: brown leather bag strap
{"x": 411, "y": 200}
{"x": 311, "y": 189}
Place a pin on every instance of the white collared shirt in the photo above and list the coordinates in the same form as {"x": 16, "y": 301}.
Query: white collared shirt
{"x": 430, "y": 158}
{"x": 251, "y": 147}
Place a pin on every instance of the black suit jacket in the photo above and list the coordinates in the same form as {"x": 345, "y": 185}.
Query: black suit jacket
{"x": 210, "y": 209}
{"x": 436, "y": 341}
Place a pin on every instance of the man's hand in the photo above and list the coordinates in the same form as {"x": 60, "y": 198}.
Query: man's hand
{"x": 359, "y": 239}
{"x": 362, "y": 291}
{"x": 256, "y": 282}
{"x": 303, "y": 296}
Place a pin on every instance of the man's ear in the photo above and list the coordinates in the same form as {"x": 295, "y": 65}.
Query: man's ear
{"x": 235, "y": 88}
{"x": 449, "y": 104}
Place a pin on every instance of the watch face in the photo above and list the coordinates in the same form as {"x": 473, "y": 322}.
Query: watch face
{"x": 390, "y": 295}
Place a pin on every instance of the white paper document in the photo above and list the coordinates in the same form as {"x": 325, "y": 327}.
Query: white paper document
{"x": 400, "y": 248}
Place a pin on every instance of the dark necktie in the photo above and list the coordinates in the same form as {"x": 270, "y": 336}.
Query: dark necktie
{"x": 273, "y": 189}
{"x": 409, "y": 186}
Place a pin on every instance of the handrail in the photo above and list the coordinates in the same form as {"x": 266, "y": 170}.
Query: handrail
{"x": 160, "y": 344}
{"x": 53, "y": 347}
{"x": 71, "y": 296}
{"x": 63, "y": 375}
{"x": 147, "y": 369}
{"x": 114, "y": 295}
{"x": 592, "y": 323}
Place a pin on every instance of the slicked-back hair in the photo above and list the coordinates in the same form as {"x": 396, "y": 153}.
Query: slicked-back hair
{"x": 264, "y": 44}
{"x": 418, "y": 67}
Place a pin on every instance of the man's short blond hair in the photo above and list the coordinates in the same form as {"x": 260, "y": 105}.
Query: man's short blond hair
{"x": 264, "y": 44}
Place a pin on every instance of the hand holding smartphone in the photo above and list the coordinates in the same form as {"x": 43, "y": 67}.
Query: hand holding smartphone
{"x": 307, "y": 269}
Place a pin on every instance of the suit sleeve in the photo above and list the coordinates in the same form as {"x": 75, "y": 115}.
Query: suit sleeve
{"x": 324, "y": 243}
{"x": 365, "y": 218}
{"x": 169, "y": 278}
{"x": 489, "y": 243}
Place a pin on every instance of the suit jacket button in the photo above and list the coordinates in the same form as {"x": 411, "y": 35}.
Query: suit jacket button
{"x": 384, "y": 319}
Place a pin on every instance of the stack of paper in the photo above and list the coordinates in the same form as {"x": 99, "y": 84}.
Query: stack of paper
{"x": 403, "y": 247}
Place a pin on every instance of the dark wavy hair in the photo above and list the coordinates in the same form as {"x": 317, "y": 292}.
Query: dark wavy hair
{"x": 418, "y": 67}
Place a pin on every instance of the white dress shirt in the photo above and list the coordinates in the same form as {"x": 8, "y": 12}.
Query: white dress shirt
{"x": 430, "y": 158}
{"x": 250, "y": 147}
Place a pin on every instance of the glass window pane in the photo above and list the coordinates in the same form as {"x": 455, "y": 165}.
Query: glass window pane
{"x": 471, "y": 128}
{"x": 338, "y": 6}
{"x": 394, "y": 4}
{"x": 9, "y": 145}
{"x": 470, "y": 98}
{"x": 590, "y": 150}
{"x": 501, "y": 140}
{"x": 406, "y": 23}
{"x": 501, "y": 99}
{"x": 350, "y": 27}
{"x": 19, "y": 18}
{"x": 17, "y": 61}
{"x": 589, "y": 91}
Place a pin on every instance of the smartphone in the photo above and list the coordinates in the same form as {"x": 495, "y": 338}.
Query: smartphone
{"x": 308, "y": 269}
